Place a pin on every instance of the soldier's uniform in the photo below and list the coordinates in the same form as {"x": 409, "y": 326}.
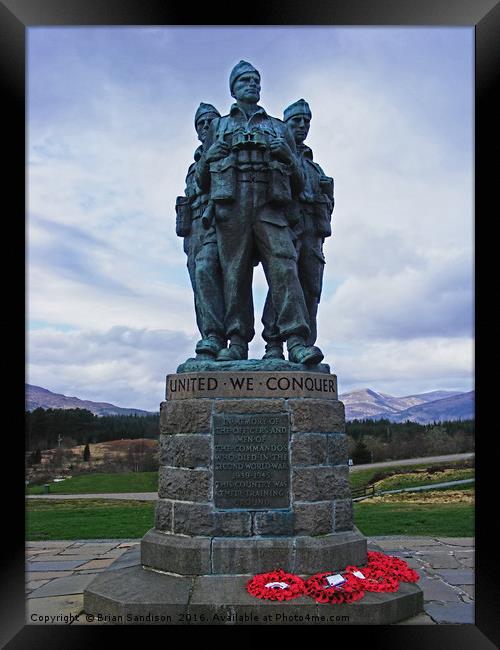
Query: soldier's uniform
{"x": 200, "y": 246}
{"x": 252, "y": 196}
{"x": 315, "y": 205}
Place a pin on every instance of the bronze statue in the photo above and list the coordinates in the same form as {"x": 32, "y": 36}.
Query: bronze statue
{"x": 315, "y": 205}
{"x": 200, "y": 246}
{"x": 250, "y": 169}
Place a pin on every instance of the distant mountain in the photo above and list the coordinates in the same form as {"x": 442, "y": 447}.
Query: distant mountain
{"x": 457, "y": 407}
{"x": 367, "y": 403}
{"x": 437, "y": 394}
{"x": 423, "y": 408}
{"x": 37, "y": 397}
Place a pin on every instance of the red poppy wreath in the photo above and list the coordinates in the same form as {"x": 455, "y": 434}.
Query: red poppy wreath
{"x": 319, "y": 588}
{"x": 276, "y": 585}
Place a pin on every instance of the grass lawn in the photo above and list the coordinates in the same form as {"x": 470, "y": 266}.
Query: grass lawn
{"x": 87, "y": 519}
{"x": 102, "y": 484}
{"x": 448, "y": 520}
{"x": 107, "y": 519}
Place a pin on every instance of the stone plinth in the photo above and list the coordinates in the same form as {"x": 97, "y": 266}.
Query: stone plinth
{"x": 253, "y": 477}
{"x": 253, "y": 472}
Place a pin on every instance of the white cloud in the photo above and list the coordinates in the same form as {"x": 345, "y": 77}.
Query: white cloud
{"x": 124, "y": 366}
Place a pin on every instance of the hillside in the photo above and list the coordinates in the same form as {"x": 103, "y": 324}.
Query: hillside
{"x": 423, "y": 408}
{"x": 38, "y": 397}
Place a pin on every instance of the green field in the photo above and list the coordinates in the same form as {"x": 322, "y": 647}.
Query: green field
{"x": 448, "y": 520}
{"x": 365, "y": 476}
{"x": 87, "y": 519}
{"x": 103, "y": 519}
{"x": 102, "y": 484}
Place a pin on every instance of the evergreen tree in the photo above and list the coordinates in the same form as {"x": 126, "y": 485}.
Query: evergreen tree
{"x": 361, "y": 454}
{"x": 86, "y": 453}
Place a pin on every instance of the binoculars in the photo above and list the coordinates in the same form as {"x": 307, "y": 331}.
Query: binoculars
{"x": 248, "y": 140}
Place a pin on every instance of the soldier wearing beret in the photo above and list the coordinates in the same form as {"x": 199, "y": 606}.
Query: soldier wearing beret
{"x": 250, "y": 169}
{"x": 315, "y": 206}
{"x": 200, "y": 246}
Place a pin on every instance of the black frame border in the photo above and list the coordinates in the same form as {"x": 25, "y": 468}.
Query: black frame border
{"x": 483, "y": 15}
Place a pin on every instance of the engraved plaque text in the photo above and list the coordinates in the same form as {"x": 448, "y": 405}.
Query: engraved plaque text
{"x": 252, "y": 461}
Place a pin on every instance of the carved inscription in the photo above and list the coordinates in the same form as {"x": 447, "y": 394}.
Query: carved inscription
{"x": 251, "y": 461}
{"x": 257, "y": 384}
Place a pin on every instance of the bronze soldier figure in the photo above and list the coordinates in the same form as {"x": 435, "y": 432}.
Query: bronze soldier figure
{"x": 200, "y": 246}
{"x": 315, "y": 206}
{"x": 250, "y": 169}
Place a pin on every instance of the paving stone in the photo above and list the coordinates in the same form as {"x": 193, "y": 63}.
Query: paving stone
{"x": 114, "y": 553}
{"x": 435, "y": 589}
{"x": 451, "y": 612}
{"x": 60, "y": 558}
{"x": 441, "y": 561}
{"x": 96, "y": 564}
{"x": 34, "y": 584}
{"x": 457, "y": 576}
{"x": 56, "y": 606}
{"x": 62, "y": 586}
{"x": 89, "y": 549}
{"x": 55, "y": 566}
{"x": 46, "y": 575}
{"x": 35, "y": 552}
{"x": 386, "y": 544}
{"x": 131, "y": 557}
{"x": 412, "y": 562}
{"x": 457, "y": 541}
{"x": 469, "y": 590}
{"x": 434, "y": 550}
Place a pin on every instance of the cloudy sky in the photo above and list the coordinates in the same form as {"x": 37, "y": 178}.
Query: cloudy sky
{"x": 110, "y": 137}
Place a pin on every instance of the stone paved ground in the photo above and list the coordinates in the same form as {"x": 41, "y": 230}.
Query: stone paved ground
{"x": 58, "y": 572}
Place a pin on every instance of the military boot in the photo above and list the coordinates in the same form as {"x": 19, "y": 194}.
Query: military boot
{"x": 209, "y": 347}
{"x": 235, "y": 352}
{"x": 274, "y": 350}
{"x": 299, "y": 352}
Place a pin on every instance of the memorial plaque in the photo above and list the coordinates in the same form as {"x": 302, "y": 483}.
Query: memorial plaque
{"x": 252, "y": 461}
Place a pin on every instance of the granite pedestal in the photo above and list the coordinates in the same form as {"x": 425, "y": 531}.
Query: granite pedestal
{"x": 253, "y": 477}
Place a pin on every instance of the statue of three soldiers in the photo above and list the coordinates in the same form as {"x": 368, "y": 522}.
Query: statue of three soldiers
{"x": 254, "y": 194}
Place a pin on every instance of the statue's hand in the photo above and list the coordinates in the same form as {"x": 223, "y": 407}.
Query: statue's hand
{"x": 218, "y": 150}
{"x": 280, "y": 150}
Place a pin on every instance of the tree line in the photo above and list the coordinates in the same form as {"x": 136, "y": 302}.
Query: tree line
{"x": 45, "y": 427}
{"x": 372, "y": 441}
{"x": 369, "y": 440}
